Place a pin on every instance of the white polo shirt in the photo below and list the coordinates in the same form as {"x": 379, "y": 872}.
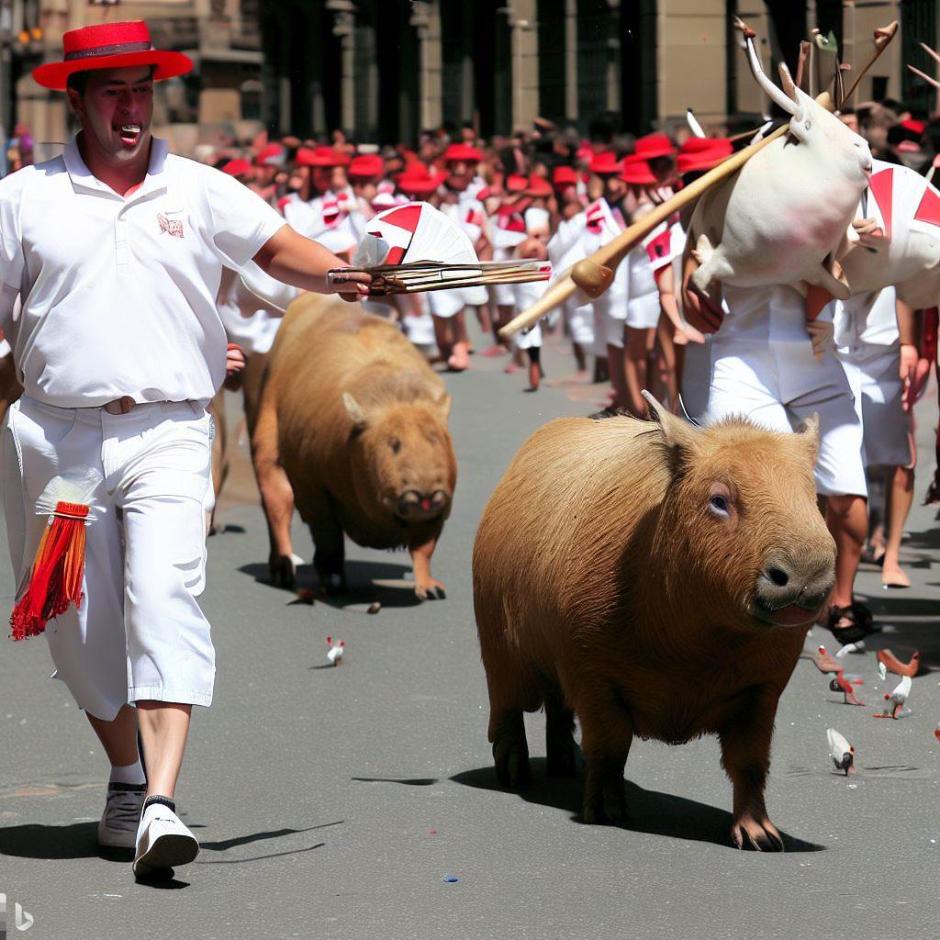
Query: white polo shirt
{"x": 119, "y": 295}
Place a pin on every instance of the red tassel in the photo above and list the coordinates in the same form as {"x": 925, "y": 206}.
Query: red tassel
{"x": 58, "y": 572}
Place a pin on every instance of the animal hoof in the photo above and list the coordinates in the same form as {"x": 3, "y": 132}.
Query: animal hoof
{"x": 604, "y": 797}
{"x": 761, "y": 835}
{"x": 332, "y": 584}
{"x": 281, "y": 571}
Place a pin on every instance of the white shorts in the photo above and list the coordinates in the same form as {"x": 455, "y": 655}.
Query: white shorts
{"x": 501, "y": 295}
{"x": 779, "y": 387}
{"x": 580, "y": 323}
{"x": 139, "y": 633}
{"x": 448, "y": 303}
{"x": 643, "y": 312}
{"x": 610, "y": 311}
{"x": 420, "y": 330}
{"x": 887, "y": 429}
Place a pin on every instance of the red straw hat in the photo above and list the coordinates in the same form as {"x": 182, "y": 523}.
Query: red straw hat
{"x": 515, "y": 183}
{"x": 636, "y": 171}
{"x": 605, "y": 162}
{"x": 538, "y": 187}
{"x": 462, "y": 152}
{"x": 321, "y": 156}
{"x": 654, "y": 145}
{"x": 110, "y": 46}
{"x": 366, "y": 165}
{"x": 565, "y": 176}
{"x": 418, "y": 180}
{"x": 702, "y": 153}
{"x": 238, "y": 167}
{"x": 271, "y": 155}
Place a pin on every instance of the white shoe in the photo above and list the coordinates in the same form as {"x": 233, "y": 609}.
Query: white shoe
{"x": 163, "y": 841}
{"x": 117, "y": 828}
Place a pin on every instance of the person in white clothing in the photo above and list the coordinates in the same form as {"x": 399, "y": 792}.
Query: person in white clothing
{"x": 117, "y": 250}
{"x": 874, "y": 338}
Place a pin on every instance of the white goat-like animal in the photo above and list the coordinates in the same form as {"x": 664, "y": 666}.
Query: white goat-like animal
{"x": 782, "y": 218}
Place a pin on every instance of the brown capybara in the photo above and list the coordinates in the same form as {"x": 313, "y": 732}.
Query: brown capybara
{"x": 656, "y": 580}
{"x": 352, "y": 427}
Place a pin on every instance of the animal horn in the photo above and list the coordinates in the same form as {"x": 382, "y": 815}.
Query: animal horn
{"x": 924, "y": 76}
{"x": 802, "y": 72}
{"x": 768, "y": 87}
{"x": 789, "y": 86}
{"x": 595, "y": 274}
{"x": 883, "y": 36}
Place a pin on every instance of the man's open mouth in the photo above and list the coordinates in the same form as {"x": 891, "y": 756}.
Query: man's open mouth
{"x": 129, "y": 134}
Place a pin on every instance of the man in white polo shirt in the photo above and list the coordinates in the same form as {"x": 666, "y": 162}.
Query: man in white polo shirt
{"x": 116, "y": 250}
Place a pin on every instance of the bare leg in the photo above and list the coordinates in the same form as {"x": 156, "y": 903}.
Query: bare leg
{"x": 163, "y": 730}
{"x": 899, "y": 494}
{"x": 635, "y": 369}
{"x": 459, "y": 359}
{"x": 618, "y": 382}
{"x": 443, "y": 337}
{"x": 118, "y": 737}
{"x": 847, "y": 518}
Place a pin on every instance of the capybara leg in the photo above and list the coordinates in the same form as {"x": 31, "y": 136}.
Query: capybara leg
{"x": 277, "y": 495}
{"x": 745, "y": 754}
{"x": 510, "y": 749}
{"x": 426, "y": 587}
{"x": 560, "y": 749}
{"x": 606, "y": 736}
{"x": 329, "y": 548}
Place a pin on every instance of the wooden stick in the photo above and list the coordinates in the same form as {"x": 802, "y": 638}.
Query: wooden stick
{"x": 883, "y": 36}
{"x": 594, "y": 274}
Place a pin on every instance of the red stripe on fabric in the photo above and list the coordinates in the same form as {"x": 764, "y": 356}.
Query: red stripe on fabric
{"x": 406, "y": 217}
{"x": 395, "y": 256}
{"x": 659, "y": 246}
{"x": 882, "y": 188}
{"x": 929, "y": 208}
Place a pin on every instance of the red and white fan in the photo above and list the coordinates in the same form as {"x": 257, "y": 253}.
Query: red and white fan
{"x": 415, "y": 248}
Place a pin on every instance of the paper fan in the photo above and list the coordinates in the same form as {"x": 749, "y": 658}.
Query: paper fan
{"x": 415, "y": 247}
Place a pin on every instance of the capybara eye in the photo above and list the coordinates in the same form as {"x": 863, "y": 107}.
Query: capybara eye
{"x": 719, "y": 505}
{"x": 395, "y": 444}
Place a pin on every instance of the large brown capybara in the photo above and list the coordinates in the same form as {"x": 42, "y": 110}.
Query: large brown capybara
{"x": 352, "y": 427}
{"x": 653, "y": 579}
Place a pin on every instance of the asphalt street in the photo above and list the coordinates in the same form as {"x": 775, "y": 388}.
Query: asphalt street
{"x": 360, "y": 801}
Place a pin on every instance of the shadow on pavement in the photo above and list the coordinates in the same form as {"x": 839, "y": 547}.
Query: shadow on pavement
{"x": 918, "y": 630}
{"x": 660, "y": 814}
{"x": 362, "y": 577}
{"x": 33, "y": 840}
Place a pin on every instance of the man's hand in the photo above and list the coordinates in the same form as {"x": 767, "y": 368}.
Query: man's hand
{"x": 234, "y": 363}
{"x": 913, "y": 372}
{"x": 820, "y": 334}
{"x": 870, "y": 233}
{"x": 351, "y": 285}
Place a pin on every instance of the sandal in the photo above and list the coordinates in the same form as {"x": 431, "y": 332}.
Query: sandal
{"x": 860, "y": 623}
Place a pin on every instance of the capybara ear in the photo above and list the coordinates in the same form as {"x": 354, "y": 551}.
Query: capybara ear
{"x": 809, "y": 432}
{"x": 676, "y": 432}
{"x": 443, "y": 401}
{"x": 354, "y": 410}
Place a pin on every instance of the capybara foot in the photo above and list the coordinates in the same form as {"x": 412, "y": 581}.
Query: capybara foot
{"x": 511, "y": 756}
{"x": 605, "y": 799}
{"x": 281, "y": 570}
{"x": 430, "y": 590}
{"x": 752, "y": 832}
{"x": 331, "y": 583}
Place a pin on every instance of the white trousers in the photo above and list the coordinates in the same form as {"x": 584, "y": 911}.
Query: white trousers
{"x": 139, "y": 633}
{"x": 779, "y": 385}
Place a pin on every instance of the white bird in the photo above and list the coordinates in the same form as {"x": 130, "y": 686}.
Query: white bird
{"x": 882, "y": 671}
{"x": 335, "y": 654}
{"x": 898, "y": 696}
{"x": 858, "y": 647}
{"x": 841, "y": 752}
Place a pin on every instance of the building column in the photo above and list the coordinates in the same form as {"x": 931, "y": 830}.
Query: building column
{"x": 426, "y": 19}
{"x": 525, "y": 62}
{"x": 344, "y": 12}
{"x": 571, "y": 59}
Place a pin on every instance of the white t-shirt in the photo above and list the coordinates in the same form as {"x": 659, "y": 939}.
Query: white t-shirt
{"x": 119, "y": 295}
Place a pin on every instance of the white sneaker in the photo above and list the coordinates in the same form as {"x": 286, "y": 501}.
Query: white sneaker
{"x": 117, "y": 828}
{"x": 163, "y": 841}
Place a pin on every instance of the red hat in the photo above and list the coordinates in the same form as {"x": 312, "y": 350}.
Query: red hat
{"x": 418, "y": 180}
{"x": 913, "y": 126}
{"x": 110, "y": 46}
{"x": 564, "y": 176}
{"x": 538, "y": 187}
{"x": 605, "y": 162}
{"x": 702, "y": 153}
{"x": 515, "y": 183}
{"x": 637, "y": 172}
{"x": 238, "y": 167}
{"x": 462, "y": 152}
{"x": 654, "y": 145}
{"x": 271, "y": 155}
{"x": 321, "y": 156}
{"x": 366, "y": 166}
